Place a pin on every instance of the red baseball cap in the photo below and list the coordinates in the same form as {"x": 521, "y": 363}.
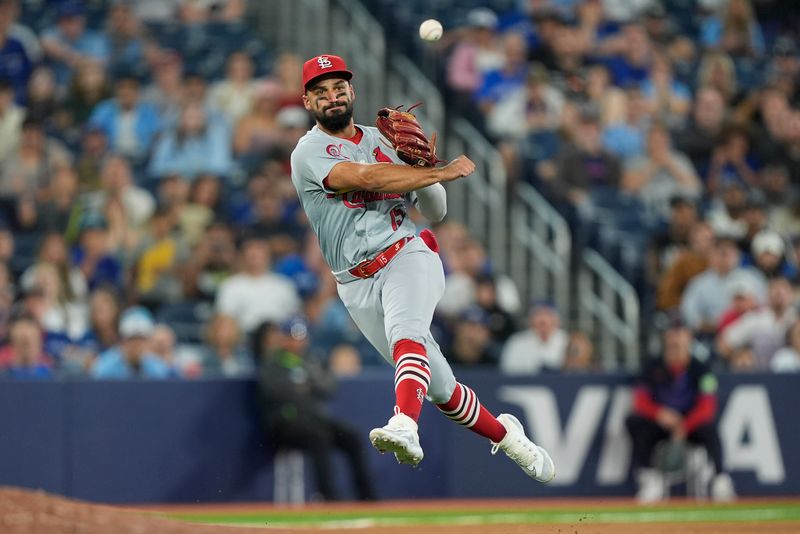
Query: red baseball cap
{"x": 324, "y": 65}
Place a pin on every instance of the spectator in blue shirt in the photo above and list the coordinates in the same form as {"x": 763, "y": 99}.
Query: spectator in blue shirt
{"x": 129, "y": 123}
{"x": 69, "y": 42}
{"x": 92, "y": 254}
{"x": 132, "y": 358}
{"x": 501, "y": 83}
{"x": 15, "y": 64}
{"x": 194, "y": 146}
{"x": 631, "y": 65}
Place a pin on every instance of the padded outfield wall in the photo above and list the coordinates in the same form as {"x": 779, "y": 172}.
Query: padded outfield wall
{"x": 127, "y": 442}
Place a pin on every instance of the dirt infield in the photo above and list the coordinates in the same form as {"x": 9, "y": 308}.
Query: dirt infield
{"x": 36, "y": 512}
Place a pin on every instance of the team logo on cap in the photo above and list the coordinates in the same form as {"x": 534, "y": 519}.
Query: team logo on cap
{"x": 324, "y": 62}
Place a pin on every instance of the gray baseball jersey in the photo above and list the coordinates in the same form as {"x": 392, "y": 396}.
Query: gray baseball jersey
{"x": 354, "y": 225}
{"x": 399, "y": 301}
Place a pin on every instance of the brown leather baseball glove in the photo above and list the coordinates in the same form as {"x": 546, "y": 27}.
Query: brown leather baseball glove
{"x": 406, "y": 136}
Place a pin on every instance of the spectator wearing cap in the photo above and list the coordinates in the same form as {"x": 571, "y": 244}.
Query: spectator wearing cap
{"x": 70, "y": 42}
{"x": 129, "y": 122}
{"x": 472, "y": 344}
{"x": 234, "y": 95}
{"x": 744, "y": 298}
{"x": 661, "y": 174}
{"x": 28, "y": 168}
{"x": 675, "y": 398}
{"x": 291, "y": 390}
{"x": 16, "y": 64}
{"x": 132, "y": 358}
{"x": 255, "y": 294}
{"x": 475, "y": 54}
{"x": 541, "y": 347}
{"x": 709, "y": 293}
{"x": 763, "y": 329}
{"x": 24, "y": 358}
{"x": 768, "y": 255}
{"x": 11, "y": 117}
{"x": 196, "y": 145}
{"x": 92, "y": 255}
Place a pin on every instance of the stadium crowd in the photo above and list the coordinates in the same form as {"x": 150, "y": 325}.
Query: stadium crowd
{"x": 666, "y": 134}
{"x": 149, "y": 225}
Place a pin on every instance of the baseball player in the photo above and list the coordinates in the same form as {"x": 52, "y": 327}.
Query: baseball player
{"x": 354, "y": 189}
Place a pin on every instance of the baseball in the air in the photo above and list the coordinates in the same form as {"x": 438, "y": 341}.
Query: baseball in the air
{"x": 430, "y": 30}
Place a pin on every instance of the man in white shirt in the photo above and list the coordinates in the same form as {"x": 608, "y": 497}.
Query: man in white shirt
{"x": 255, "y": 294}
{"x": 540, "y": 347}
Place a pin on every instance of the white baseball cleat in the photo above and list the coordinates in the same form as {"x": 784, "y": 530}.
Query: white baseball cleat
{"x": 399, "y": 436}
{"x": 531, "y": 458}
{"x": 722, "y": 488}
{"x": 651, "y": 486}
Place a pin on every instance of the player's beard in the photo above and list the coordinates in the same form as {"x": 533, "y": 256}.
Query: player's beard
{"x": 336, "y": 121}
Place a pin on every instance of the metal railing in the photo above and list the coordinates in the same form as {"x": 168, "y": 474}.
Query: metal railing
{"x": 480, "y": 201}
{"x": 542, "y": 267}
{"x": 608, "y": 310}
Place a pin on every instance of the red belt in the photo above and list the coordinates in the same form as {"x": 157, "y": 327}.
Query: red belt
{"x": 368, "y": 268}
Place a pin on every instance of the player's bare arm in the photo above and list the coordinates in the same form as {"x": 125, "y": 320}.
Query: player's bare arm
{"x": 395, "y": 178}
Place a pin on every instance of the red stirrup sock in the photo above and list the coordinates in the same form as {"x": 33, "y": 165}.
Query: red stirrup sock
{"x": 465, "y": 409}
{"x": 412, "y": 377}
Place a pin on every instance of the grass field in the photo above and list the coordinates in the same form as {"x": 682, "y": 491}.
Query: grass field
{"x": 572, "y": 513}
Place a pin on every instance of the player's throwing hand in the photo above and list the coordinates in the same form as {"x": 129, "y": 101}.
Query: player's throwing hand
{"x": 458, "y": 168}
